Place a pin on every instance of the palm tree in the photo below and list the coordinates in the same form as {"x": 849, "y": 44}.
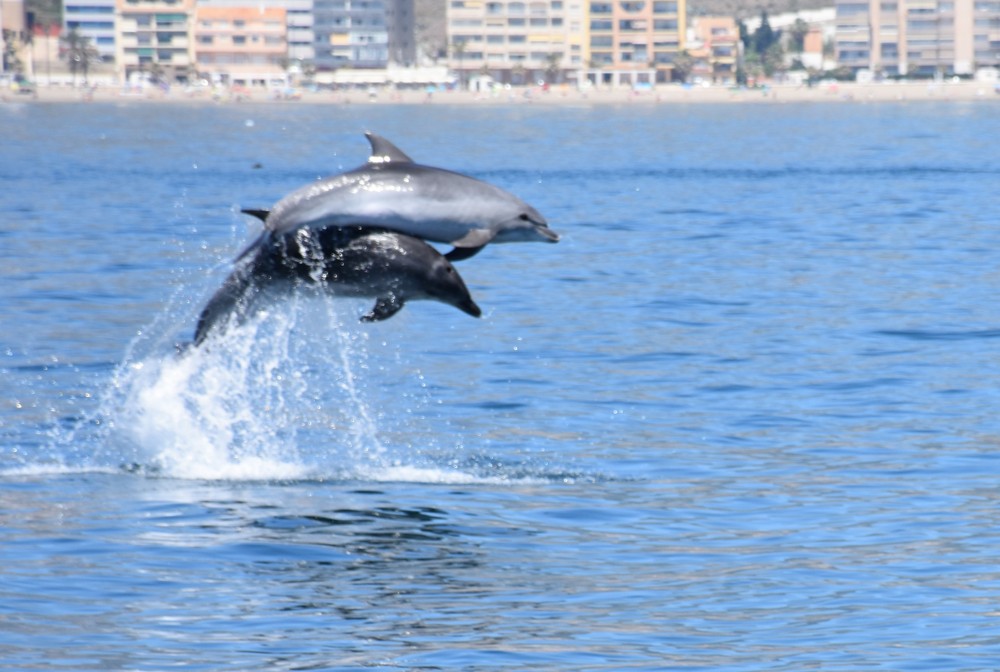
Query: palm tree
{"x": 552, "y": 62}
{"x": 683, "y": 64}
{"x": 80, "y": 53}
{"x": 458, "y": 49}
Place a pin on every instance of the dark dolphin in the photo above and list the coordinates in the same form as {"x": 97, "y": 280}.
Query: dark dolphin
{"x": 393, "y": 192}
{"x": 356, "y": 261}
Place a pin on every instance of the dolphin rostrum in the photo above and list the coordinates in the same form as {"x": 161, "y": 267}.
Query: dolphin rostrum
{"x": 392, "y": 192}
{"x": 390, "y": 267}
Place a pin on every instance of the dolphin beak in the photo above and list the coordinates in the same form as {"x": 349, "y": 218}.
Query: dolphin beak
{"x": 547, "y": 233}
{"x": 469, "y": 306}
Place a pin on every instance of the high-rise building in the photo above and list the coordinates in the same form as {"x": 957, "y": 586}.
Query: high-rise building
{"x": 154, "y": 39}
{"x": 298, "y": 19}
{"x": 632, "y": 41}
{"x": 918, "y": 37}
{"x": 243, "y": 46}
{"x": 517, "y": 41}
{"x": 363, "y": 33}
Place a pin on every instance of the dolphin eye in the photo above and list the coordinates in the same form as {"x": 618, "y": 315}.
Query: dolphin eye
{"x": 524, "y": 217}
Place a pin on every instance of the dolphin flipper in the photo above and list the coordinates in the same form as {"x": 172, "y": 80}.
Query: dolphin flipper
{"x": 475, "y": 238}
{"x": 460, "y": 253}
{"x": 385, "y": 307}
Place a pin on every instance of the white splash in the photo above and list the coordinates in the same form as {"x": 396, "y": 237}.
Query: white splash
{"x": 216, "y": 412}
{"x": 295, "y": 394}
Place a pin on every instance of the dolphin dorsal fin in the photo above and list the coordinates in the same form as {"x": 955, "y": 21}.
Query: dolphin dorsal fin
{"x": 384, "y": 151}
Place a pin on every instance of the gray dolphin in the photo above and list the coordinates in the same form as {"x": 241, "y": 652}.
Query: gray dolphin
{"x": 392, "y": 192}
{"x": 388, "y": 266}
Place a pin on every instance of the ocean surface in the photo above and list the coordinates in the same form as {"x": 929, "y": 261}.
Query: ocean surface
{"x": 745, "y": 416}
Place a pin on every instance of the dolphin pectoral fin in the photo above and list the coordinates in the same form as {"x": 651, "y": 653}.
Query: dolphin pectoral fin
{"x": 384, "y": 151}
{"x": 460, "y": 253}
{"x": 259, "y": 214}
{"x": 385, "y": 307}
{"x": 476, "y": 238}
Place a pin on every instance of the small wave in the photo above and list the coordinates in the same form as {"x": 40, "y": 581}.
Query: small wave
{"x": 741, "y": 173}
{"x": 931, "y": 335}
{"x": 46, "y": 469}
{"x": 444, "y": 476}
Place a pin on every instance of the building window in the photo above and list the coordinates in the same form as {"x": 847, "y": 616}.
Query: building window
{"x": 634, "y": 24}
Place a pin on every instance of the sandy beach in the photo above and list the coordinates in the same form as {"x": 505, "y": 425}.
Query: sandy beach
{"x": 838, "y": 92}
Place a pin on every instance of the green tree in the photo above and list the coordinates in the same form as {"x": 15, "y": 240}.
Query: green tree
{"x": 773, "y": 60}
{"x": 797, "y": 36}
{"x": 683, "y": 64}
{"x": 764, "y": 36}
{"x": 458, "y": 50}
{"x": 79, "y": 53}
{"x": 11, "y": 52}
{"x": 552, "y": 63}
{"x": 763, "y": 54}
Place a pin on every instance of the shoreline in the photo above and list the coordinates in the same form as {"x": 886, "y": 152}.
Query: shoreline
{"x": 839, "y": 92}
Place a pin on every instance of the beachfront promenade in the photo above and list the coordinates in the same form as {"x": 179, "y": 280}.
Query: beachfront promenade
{"x": 839, "y": 92}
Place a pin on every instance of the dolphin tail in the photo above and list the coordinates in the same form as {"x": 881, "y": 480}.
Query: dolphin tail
{"x": 232, "y": 301}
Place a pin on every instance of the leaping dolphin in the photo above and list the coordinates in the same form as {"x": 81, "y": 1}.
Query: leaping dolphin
{"x": 393, "y": 192}
{"x": 388, "y": 266}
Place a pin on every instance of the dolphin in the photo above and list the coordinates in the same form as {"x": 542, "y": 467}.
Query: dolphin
{"x": 393, "y": 192}
{"x": 356, "y": 261}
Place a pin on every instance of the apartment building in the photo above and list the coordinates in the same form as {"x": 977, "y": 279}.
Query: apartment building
{"x": 918, "y": 37}
{"x": 517, "y": 41}
{"x": 154, "y": 38}
{"x": 715, "y": 48}
{"x": 298, "y": 23}
{"x": 635, "y": 41}
{"x": 93, "y": 20}
{"x": 363, "y": 33}
{"x": 242, "y": 46}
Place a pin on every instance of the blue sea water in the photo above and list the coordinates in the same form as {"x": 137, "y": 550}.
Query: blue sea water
{"x": 744, "y": 416}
